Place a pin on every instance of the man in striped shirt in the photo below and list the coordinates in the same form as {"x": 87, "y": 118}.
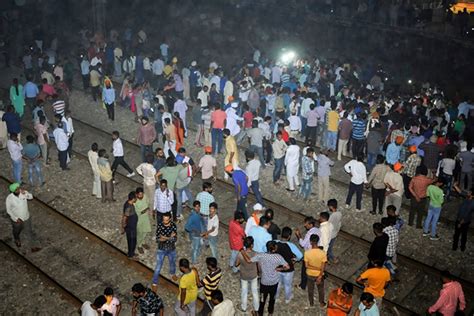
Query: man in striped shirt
{"x": 358, "y": 134}
{"x": 210, "y": 284}
{"x": 59, "y": 106}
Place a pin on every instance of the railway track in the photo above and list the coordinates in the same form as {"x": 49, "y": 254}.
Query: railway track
{"x": 81, "y": 261}
{"x": 424, "y": 275}
{"x": 45, "y": 294}
{"x": 415, "y": 275}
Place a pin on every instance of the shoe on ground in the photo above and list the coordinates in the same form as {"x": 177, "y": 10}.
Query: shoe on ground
{"x": 348, "y": 206}
{"x": 358, "y": 210}
{"x": 131, "y": 174}
{"x": 425, "y": 234}
{"x": 434, "y": 237}
{"x": 372, "y": 212}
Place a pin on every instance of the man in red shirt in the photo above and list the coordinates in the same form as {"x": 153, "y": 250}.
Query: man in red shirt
{"x": 417, "y": 187}
{"x": 218, "y": 122}
{"x": 236, "y": 238}
{"x": 451, "y": 297}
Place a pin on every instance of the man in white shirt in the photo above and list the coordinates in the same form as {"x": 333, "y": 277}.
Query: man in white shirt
{"x": 254, "y": 218}
{"x": 92, "y": 154}
{"x": 394, "y": 182}
{"x": 14, "y": 148}
{"x": 17, "y": 208}
{"x": 253, "y": 174}
{"x": 295, "y": 125}
{"x": 91, "y": 309}
{"x": 307, "y": 101}
{"x": 117, "y": 151}
{"x": 325, "y": 229}
{"x": 358, "y": 172}
{"x": 148, "y": 172}
{"x": 276, "y": 74}
{"x": 232, "y": 121}
{"x": 181, "y": 107}
{"x": 292, "y": 163}
{"x": 62, "y": 144}
{"x": 203, "y": 95}
{"x": 164, "y": 199}
{"x": 222, "y": 307}
{"x": 335, "y": 218}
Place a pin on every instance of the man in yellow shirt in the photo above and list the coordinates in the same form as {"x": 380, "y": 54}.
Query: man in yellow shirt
{"x": 315, "y": 261}
{"x": 95, "y": 83}
{"x": 188, "y": 290}
{"x": 375, "y": 280}
{"x": 232, "y": 156}
{"x": 333, "y": 124}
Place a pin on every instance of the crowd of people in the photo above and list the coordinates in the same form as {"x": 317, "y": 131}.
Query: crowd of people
{"x": 414, "y": 147}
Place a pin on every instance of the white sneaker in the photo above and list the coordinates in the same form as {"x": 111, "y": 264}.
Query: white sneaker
{"x": 348, "y": 206}
{"x": 358, "y": 211}
{"x": 131, "y": 174}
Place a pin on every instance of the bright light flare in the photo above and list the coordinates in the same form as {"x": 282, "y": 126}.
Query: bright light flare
{"x": 287, "y": 57}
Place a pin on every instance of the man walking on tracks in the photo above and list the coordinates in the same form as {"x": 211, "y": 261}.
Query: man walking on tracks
{"x": 17, "y": 209}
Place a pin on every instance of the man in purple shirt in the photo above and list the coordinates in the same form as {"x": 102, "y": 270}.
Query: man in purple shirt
{"x": 310, "y": 226}
{"x": 240, "y": 180}
{"x": 181, "y": 107}
{"x": 178, "y": 84}
{"x": 312, "y": 118}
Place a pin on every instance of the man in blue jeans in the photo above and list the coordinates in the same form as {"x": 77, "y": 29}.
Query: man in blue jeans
{"x": 436, "y": 195}
{"x": 166, "y": 237}
{"x": 218, "y": 123}
{"x": 195, "y": 227}
{"x": 239, "y": 178}
{"x": 15, "y": 148}
{"x": 253, "y": 173}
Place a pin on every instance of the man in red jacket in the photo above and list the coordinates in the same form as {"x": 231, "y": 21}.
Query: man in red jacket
{"x": 236, "y": 238}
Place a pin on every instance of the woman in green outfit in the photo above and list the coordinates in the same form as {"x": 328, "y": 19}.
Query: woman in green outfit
{"x": 143, "y": 225}
{"x": 17, "y": 98}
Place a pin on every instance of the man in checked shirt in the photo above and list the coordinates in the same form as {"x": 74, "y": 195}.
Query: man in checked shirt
{"x": 393, "y": 237}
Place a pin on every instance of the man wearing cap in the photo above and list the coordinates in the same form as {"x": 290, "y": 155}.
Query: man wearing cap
{"x": 232, "y": 119}
{"x": 254, "y": 219}
{"x": 17, "y": 208}
{"x": 409, "y": 168}
{"x": 207, "y": 165}
{"x": 394, "y": 187}
{"x": 239, "y": 178}
{"x": 393, "y": 150}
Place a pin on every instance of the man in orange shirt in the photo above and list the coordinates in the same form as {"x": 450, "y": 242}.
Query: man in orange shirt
{"x": 340, "y": 300}
{"x": 315, "y": 261}
{"x": 375, "y": 280}
{"x": 218, "y": 122}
